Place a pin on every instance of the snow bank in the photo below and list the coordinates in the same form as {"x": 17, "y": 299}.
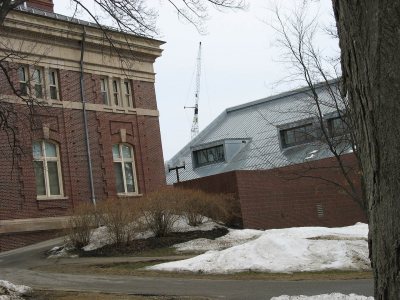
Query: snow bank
{"x": 282, "y": 251}
{"x": 9, "y": 291}
{"x": 233, "y": 238}
{"x": 100, "y": 236}
{"x": 334, "y": 296}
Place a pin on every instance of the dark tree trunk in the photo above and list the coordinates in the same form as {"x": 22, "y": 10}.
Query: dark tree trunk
{"x": 369, "y": 35}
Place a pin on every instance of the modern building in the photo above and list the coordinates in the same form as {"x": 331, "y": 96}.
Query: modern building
{"x": 82, "y": 103}
{"x": 273, "y": 155}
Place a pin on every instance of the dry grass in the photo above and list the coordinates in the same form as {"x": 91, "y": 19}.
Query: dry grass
{"x": 136, "y": 269}
{"x": 67, "y": 295}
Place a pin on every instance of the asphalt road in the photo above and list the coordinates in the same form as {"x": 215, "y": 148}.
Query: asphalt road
{"x": 15, "y": 267}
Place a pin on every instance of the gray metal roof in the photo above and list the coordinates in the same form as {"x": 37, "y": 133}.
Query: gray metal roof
{"x": 258, "y": 123}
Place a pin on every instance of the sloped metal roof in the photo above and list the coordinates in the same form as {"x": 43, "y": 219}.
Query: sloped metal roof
{"x": 258, "y": 122}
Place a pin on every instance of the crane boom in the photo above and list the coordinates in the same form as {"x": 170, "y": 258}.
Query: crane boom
{"x": 195, "y": 123}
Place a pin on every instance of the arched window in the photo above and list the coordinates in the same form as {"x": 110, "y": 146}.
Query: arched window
{"x": 124, "y": 169}
{"x": 46, "y": 162}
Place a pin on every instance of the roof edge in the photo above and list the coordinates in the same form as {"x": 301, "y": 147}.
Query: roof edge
{"x": 281, "y": 95}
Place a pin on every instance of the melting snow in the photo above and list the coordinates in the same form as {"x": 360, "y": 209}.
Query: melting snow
{"x": 333, "y": 296}
{"x": 278, "y": 250}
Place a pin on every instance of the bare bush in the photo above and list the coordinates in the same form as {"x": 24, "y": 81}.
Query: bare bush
{"x": 160, "y": 211}
{"x": 194, "y": 205}
{"x": 222, "y": 208}
{"x": 80, "y": 224}
{"x": 121, "y": 217}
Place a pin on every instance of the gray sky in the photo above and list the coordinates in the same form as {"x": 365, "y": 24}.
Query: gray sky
{"x": 240, "y": 63}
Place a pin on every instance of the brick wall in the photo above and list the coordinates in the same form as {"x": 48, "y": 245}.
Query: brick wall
{"x": 284, "y": 197}
{"x": 17, "y": 180}
{"x": 16, "y": 240}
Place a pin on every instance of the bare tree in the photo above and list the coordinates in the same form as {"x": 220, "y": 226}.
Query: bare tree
{"x": 306, "y": 63}
{"x": 369, "y": 41}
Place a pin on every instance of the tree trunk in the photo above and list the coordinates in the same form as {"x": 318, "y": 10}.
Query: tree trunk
{"x": 369, "y": 37}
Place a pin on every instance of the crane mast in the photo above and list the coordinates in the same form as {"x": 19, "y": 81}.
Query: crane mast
{"x": 195, "y": 124}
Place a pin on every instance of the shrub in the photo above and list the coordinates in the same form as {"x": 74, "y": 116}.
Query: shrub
{"x": 159, "y": 211}
{"x": 222, "y": 208}
{"x": 194, "y": 205}
{"x": 80, "y": 224}
{"x": 121, "y": 218}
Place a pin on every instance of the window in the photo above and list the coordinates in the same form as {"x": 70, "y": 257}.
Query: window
{"x": 337, "y": 127}
{"x": 127, "y": 93}
{"x": 53, "y": 84}
{"x": 37, "y": 78}
{"x": 46, "y": 162}
{"x": 115, "y": 86}
{"x": 124, "y": 169}
{"x": 23, "y": 80}
{"x": 104, "y": 90}
{"x": 209, "y": 156}
{"x": 297, "y": 135}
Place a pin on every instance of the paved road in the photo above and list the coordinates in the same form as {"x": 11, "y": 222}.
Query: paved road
{"x": 14, "y": 266}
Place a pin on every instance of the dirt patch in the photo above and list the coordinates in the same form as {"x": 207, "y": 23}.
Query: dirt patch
{"x": 336, "y": 237}
{"x": 136, "y": 269}
{"x": 63, "y": 295}
{"x": 136, "y": 247}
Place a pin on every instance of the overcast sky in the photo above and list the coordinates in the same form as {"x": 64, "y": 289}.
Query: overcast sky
{"x": 241, "y": 62}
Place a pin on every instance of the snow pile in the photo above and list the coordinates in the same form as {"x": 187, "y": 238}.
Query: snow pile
{"x": 100, "y": 236}
{"x": 283, "y": 251}
{"x": 233, "y": 238}
{"x": 9, "y": 291}
{"x": 334, "y": 296}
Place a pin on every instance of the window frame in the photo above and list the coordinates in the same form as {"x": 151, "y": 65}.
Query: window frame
{"x": 128, "y": 99}
{"x": 116, "y": 92}
{"x": 55, "y": 85}
{"x": 41, "y": 82}
{"x": 105, "y": 93}
{"x": 44, "y": 159}
{"x": 283, "y": 134}
{"x": 25, "y": 82}
{"x": 122, "y": 160}
{"x": 198, "y": 152}
{"x": 331, "y": 129}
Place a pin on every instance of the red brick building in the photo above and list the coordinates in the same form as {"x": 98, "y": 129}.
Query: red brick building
{"x": 273, "y": 155}
{"x": 80, "y": 141}
{"x": 285, "y": 197}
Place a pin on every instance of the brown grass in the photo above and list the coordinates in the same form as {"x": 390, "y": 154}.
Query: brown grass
{"x": 69, "y": 295}
{"x": 136, "y": 269}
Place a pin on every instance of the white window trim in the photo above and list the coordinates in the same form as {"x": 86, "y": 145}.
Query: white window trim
{"x": 44, "y": 159}
{"x": 106, "y": 90}
{"x": 123, "y": 161}
{"x": 116, "y": 93}
{"x": 128, "y": 99}
{"x": 56, "y": 85}
{"x": 26, "y": 81}
{"x": 42, "y": 84}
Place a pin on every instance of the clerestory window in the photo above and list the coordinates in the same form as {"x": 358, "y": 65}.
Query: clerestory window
{"x": 209, "y": 156}
{"x": 297, "y": 135}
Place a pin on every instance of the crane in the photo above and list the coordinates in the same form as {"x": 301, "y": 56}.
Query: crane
{"x": 195, "y": 124}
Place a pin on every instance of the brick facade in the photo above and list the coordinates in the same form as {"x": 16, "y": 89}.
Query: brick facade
{"x": 292, "y": 196}
{"x": 61, "y": 122}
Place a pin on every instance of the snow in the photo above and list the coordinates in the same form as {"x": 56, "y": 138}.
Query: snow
{"x": 100, "y": 236}
{"x": 233, "y": 238}
{"x": 333, "y": 296}
{"x": 10, "y": 291}
{"x": 279, "y": 251}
